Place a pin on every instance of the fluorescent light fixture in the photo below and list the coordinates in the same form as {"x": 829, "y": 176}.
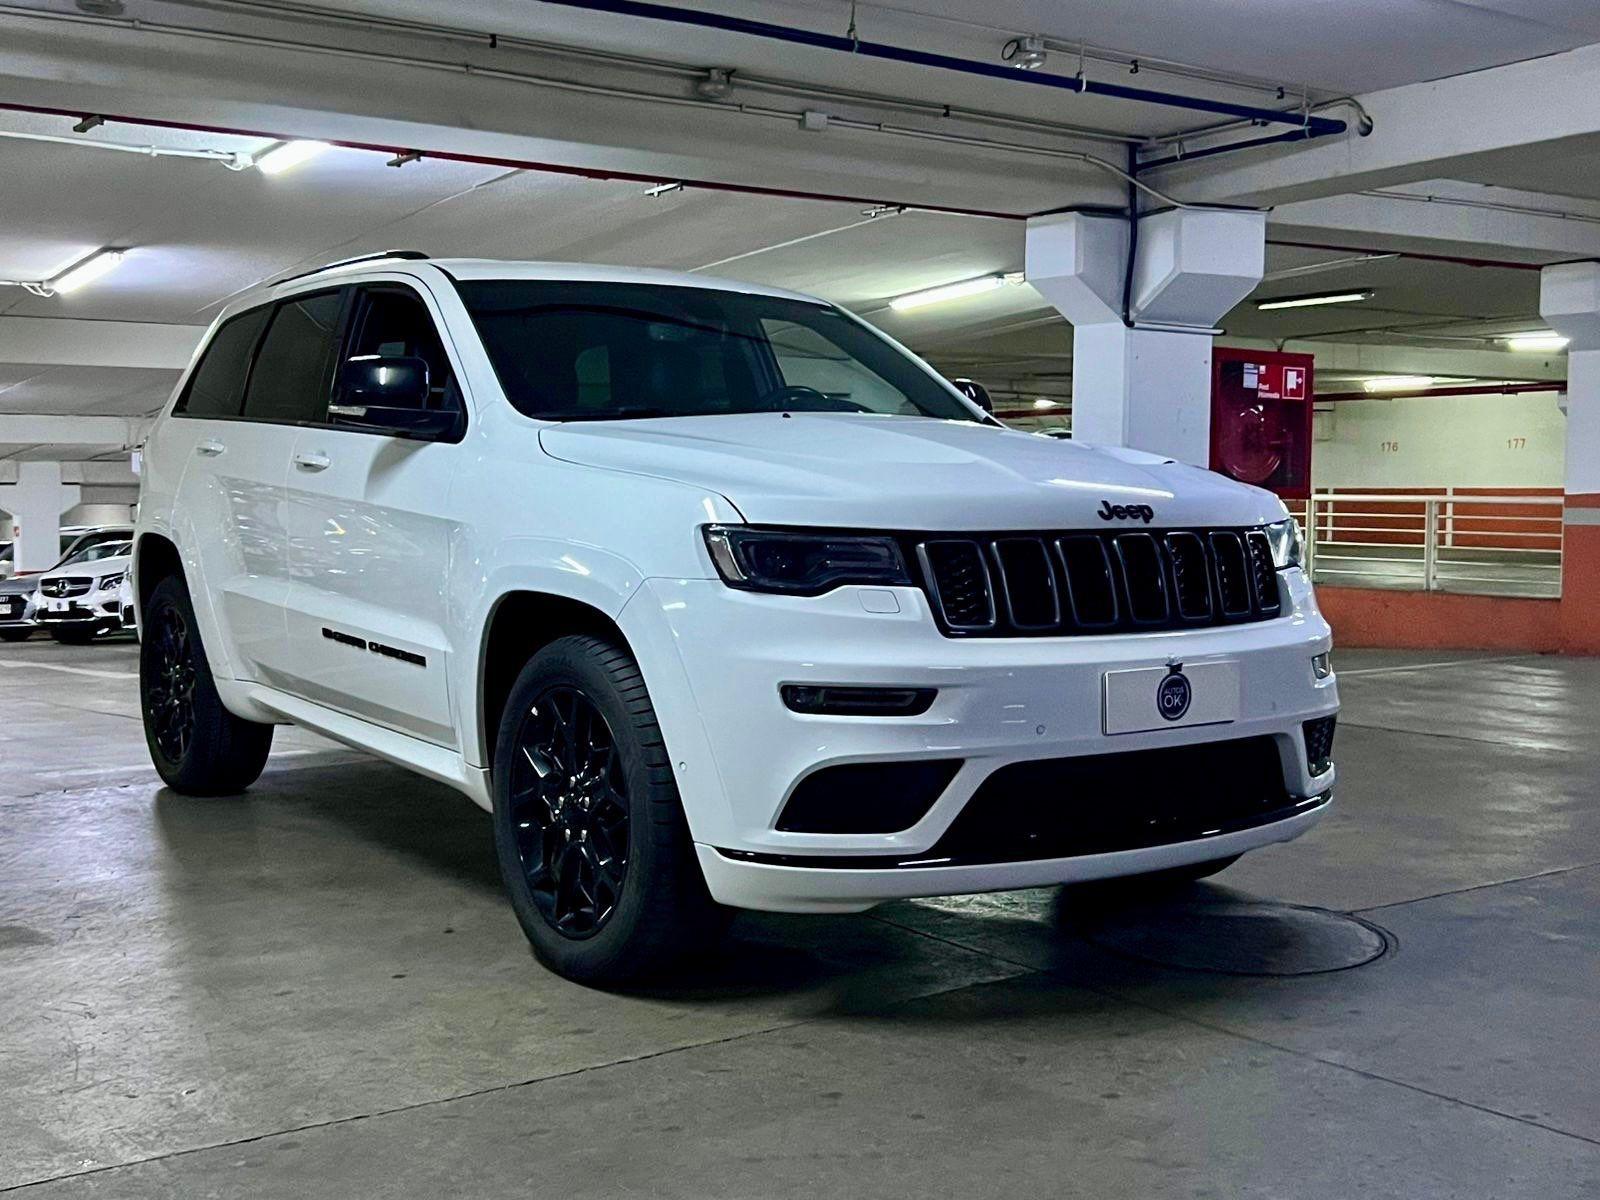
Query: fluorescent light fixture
{"x": 87, "y": 271}
{"x": 950, "y": 291}
{"x": 1041, "y": 402}
{"x": 1314, "y": 301}
{"x": 1534, "y": 341}
{"x": 284, "y": 155}
{"x": 1398, "y": 383}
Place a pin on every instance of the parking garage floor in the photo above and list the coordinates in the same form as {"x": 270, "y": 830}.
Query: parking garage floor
{"x": 316, "y": 990}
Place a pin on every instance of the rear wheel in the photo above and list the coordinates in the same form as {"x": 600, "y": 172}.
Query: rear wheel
{"x": 589, "y": 830}
{"x": 197, "y": 745}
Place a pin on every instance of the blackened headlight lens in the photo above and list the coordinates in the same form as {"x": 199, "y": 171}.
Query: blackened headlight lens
{"x": 1286, "y": 543}
{"x": 802, "y": 562}
{"x": 110, "y": 582}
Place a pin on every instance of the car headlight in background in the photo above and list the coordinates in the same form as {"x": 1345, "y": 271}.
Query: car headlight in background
{"x": 111, "y": 583}
{"x": 802, "y": 562}
{"x": 1286, "y": 543}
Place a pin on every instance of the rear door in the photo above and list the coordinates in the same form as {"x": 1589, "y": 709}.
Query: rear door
{"x": 228, "y": 506}
{"x": 371, "y": 536}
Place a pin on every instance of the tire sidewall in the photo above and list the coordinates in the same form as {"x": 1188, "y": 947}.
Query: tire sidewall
{"x": 565, "y": 663}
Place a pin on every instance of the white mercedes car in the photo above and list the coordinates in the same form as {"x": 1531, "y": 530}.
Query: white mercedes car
{"x": 76, "y": 599}
{"x": 713, "y": 596}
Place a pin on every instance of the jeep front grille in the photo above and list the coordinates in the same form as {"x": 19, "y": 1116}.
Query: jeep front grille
{"x": 1055, "y": 584}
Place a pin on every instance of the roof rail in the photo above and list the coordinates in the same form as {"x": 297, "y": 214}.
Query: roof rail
{"x": 410, "y": 255}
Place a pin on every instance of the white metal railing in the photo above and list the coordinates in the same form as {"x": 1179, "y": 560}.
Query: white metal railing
{"x": 1437, "y": 541}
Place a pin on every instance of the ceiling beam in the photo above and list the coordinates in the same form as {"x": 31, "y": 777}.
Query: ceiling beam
{"x": 1420, "y": 131}
{"x": 1463, "y": 215}
{"x": 94, "y": 473}
{"x": 33, "y": 430}
{"x": 66, "y": 342}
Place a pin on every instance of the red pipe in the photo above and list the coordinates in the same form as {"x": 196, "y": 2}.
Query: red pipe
{"x": 487, "y": 160}
{"x": 1481, "y": 389}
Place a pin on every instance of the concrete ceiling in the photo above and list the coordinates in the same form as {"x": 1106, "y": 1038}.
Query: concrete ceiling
{"x": 376, "y": 70}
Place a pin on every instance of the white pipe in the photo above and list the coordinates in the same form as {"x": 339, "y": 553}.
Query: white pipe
{"x": 234, "y": 160}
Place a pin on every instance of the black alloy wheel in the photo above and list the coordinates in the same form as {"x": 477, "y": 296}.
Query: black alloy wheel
{"x": 170, "y": 686}
{"x": 198, "y": 747}
{"x": 570, "y": 810}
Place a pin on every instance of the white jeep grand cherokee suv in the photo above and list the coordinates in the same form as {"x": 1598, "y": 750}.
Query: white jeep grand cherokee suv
{"x": 713, "y": 596}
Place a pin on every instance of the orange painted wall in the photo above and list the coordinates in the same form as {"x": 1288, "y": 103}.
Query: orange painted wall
{"x": 1440, "y": 621}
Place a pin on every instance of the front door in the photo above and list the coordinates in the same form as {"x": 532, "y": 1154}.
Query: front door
{"x": 370, "y": 540}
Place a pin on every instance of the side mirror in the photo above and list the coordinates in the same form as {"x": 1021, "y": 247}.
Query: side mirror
{"x": 976, "y": 392}
{"x": 389, "y": 393}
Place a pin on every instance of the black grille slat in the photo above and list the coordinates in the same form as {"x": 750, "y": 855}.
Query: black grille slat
{"x": 1091, "y": 586}
{"x": 961, "y": 583}
{"x": 1263, "y": 575}
{"x": 1191, "y": 575}
{"x": 1029, "y": 585}
{"x": 1144, "y": 577}
{"x": 1232, "y": 574}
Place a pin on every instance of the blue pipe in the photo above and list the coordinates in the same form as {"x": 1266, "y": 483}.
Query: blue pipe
{"x": 1294, "y": 135}
{"x": 1309, "y": 126}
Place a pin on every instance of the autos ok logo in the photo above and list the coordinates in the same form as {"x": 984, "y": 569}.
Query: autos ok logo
{"x": 1126, "y": 512}
{"x": 1173, "y": 694}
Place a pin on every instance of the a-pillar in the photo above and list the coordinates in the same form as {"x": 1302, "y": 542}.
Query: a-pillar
{"x": 36, "y": 501}
{"x": 1145, "y": 381}
{"x": 1569, "y": 299}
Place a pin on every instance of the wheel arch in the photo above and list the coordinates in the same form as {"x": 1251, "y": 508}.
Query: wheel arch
{"x": 155, "y": 557}
{"x": 520, "y": 624}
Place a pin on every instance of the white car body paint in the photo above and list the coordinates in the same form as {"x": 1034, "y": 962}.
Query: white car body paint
{"x": 413, "y": 545}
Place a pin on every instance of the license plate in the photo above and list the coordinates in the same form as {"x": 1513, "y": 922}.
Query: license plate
{"x": 59, "y": 606}
{"x": 1171, "y": 697}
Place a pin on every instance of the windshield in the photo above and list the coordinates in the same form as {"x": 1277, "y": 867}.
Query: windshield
{"x": 100, "y": 550}
{"x": 586, "y": 351}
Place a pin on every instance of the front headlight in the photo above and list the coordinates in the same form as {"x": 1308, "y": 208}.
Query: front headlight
{"x": 1286, "y": 543}
{"x": 111, "y": 583}
{"x": 802, "y": 562}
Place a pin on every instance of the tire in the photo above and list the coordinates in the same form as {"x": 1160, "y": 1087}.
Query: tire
{"x": 199, "y": 748}
{"x": 15, "y": 635}
{"x": 73, "y": 637}
{"x": 569, "y": 795}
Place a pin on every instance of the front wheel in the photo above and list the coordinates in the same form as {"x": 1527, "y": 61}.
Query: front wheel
{"x": 198, "y": 746}
{"x": 589, "y": 830}
{"x": 69, "y": 635}
{"x": 14, "y": 635}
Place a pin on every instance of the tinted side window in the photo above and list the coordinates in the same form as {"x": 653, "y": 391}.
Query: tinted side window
{"x": 395, "y": 323}
{"x": 217, "y": 386}
{"x": 289, "y": 381}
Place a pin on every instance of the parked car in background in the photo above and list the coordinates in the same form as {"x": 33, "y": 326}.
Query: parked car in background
{"x": 125, "y": 607}
{"x": 18, "y": 593}
{"x": 16, "y": 608}
{"x": 79, "y": 598}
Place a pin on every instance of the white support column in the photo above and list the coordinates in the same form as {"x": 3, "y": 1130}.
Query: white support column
{"x": 1146, "y": 385}
{"x": 1569, "y": 299}
{"x": 36, "y": 501}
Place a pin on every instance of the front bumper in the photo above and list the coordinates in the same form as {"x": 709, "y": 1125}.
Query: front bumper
{"x": 92, "y": 609}
{"x": 715, "y": 658}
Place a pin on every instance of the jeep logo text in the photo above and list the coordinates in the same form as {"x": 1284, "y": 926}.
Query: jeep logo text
{"x": 1126, "y": 512}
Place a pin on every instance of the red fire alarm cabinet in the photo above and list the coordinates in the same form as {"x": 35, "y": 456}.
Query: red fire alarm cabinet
{"x": 1261, "y": 419}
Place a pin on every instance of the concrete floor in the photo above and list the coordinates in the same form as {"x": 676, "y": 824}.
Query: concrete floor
{"x": 315, "y": 990}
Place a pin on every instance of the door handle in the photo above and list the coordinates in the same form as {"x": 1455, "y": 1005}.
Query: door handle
{"x": 312, "y": 461}
{"x": 209, "y": 447}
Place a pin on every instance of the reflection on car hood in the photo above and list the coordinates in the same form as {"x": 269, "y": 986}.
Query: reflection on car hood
{"x": 865, "y": 471}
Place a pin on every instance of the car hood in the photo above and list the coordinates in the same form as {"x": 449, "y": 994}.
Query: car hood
{"x": 18, "y": 585}
{"x": 867, "y": 471}
{"x": 99, "y": 569}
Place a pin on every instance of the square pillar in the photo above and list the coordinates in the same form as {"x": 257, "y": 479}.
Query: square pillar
{"x": 36, "y": 502}
{"x": 1145, "y": 382}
